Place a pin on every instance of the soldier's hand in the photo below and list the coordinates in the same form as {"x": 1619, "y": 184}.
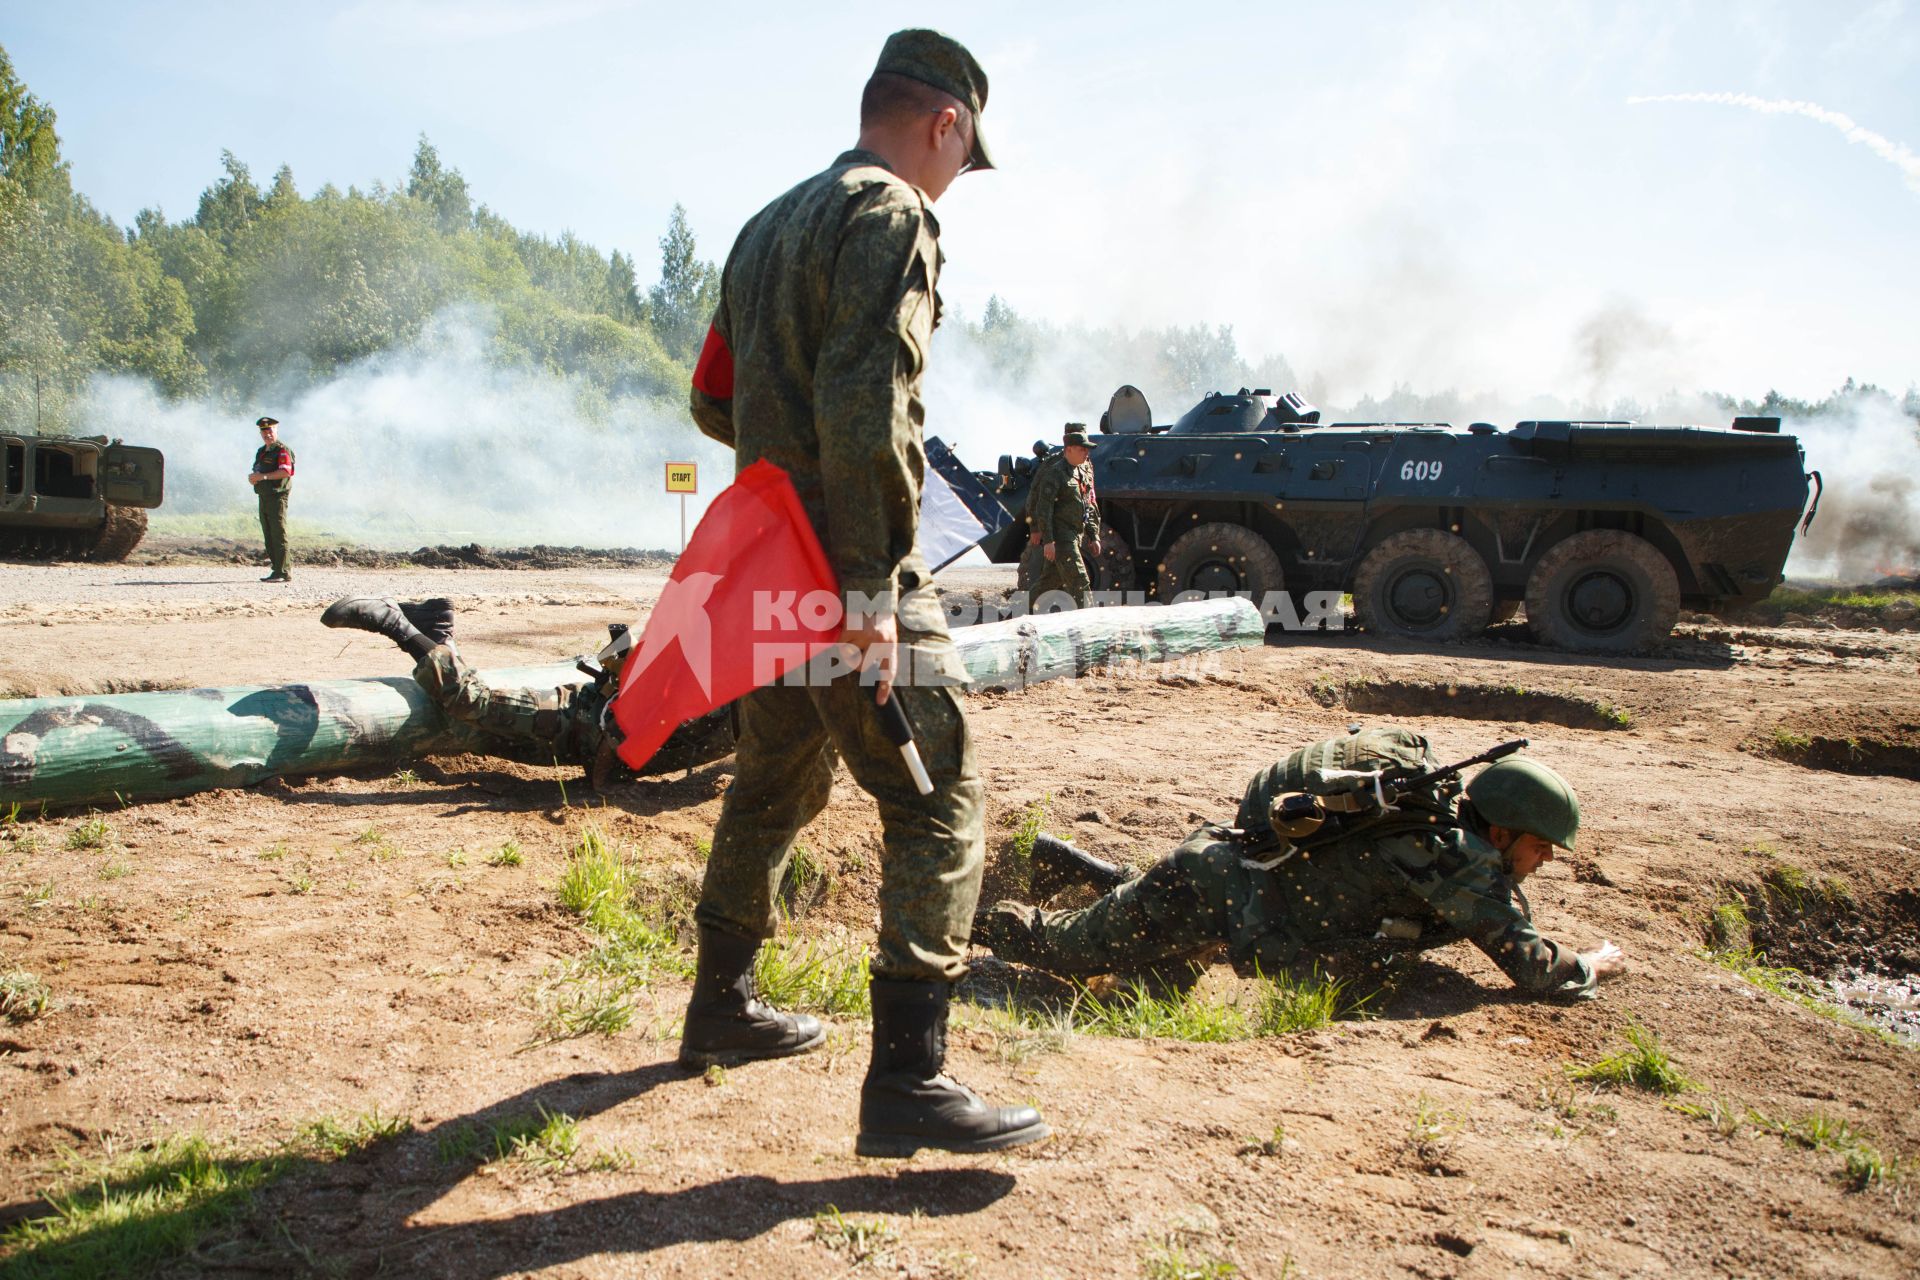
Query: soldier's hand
{"x": 1034, "y": 541}
{"x": 876, "y": 641}
{"x": 1049, "y": 551}
{"x": 1093, "y": 546}
{"x": 1608, "y": 961}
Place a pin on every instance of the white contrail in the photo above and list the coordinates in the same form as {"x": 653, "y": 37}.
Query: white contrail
{"x": 1886, "y": 148}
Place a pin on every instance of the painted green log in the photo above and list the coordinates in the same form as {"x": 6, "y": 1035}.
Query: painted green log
{"x": 119, "y": 747}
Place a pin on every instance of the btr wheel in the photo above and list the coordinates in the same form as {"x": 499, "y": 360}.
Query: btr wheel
{"x": 1218, "y": 558}
{"x": 1602, "y": 591}
{"x": 1423, "y": 584}
{"x": 1112, "y": 569}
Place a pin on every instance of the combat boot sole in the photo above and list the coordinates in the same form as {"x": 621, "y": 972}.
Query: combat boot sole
{"x": 898, "y": 1146}
{"x": 701, "y": 1059}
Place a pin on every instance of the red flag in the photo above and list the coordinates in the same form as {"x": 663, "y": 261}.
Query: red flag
{"x": 747, "y": 601}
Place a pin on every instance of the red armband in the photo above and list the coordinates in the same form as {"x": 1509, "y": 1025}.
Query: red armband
{"x": 713, "y": 373}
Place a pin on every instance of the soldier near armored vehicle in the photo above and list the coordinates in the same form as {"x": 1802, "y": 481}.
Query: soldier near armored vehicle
{"x": 1062, "y": 510}
{"x": 814, "y": 362}
{"x": 538, "y": 726}
{"x": 1356, "y": 898}
{"x": 272, "y": 481}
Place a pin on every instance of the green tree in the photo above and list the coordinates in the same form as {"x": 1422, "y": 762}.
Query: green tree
{"x": 442, "y": 189}
{"x": 29, "y": 147}
{"x": 683, "y": 302}
{"x": 230, "y": 205}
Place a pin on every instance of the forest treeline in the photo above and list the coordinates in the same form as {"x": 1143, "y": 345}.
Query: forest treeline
{"x": 264, "y": 289}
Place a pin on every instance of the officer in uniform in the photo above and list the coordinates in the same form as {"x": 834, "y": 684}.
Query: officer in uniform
{"x": 1062, "y": 510}
{"x": 1357, "y": 902}
{"x": 272, "y": 480}
{"x": 814, "y": 362}
{"x": 566, "y": 724}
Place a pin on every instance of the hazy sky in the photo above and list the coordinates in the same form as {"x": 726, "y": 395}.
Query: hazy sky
{"x": 1452, "y": 195}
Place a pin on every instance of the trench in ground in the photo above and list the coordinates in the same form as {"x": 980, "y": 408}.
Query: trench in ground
{"x": 1509, "y": 703}
{"x": 1835, "y": 942}
{"x": 1859, "y": 740}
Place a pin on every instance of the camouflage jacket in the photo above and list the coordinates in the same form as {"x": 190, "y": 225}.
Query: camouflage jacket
{"x": 1062, "y": 505}
{"x": 814, "y": 362}
{"x": 1448, "y": 880}
{"x": 1420, "y": 865}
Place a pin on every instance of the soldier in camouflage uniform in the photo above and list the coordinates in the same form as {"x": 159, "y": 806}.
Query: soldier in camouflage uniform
{"x": 814, "y": 362}
{"x": 1062, "y": 510}
{"x": 272, "y": 481}
{"x": 1356, "y": 906}
{"x": 564, "y": 725}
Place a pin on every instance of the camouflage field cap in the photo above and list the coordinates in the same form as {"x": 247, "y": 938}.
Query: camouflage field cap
{"x": 943, "y": 62}
{"x": 1076, "y": 433}
{"x": 1525, "y": 795}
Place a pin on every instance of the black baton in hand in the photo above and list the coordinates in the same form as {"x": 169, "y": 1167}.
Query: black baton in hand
{"x": 899, "y": 731}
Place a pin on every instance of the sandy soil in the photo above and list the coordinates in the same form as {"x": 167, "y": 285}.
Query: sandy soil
{"x": 238, "y": 962}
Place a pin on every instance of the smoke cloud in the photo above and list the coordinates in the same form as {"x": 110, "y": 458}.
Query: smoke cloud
{"x": 1886, "y": 148}
{"x": 1867, "y": 450}
{"x": 434, "y": 444}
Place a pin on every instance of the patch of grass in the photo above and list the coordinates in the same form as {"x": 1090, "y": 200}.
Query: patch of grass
{"x": 300, "y": 882}
{"x": 1285, "y": 1004}
{"x": 135, "y": 1213}
{"x": 862, "y": 1240}
{"x": 115, "y": 869}
{"x": 276, "y": 851}
{"x": 1863, "y": 1163}
{"x": 23, "y": 997}
{"x": 1172, "y": 1260}
{"x": 1272, "y": 1146}
{"x": 93, "y": 833}
{"x": 39, "y": 895}
{"x": 543, "y": 1138}
{"x": 1430, "y": 1135}
{"x": 1032, "y": 823}
{"x": 596, "y": 884}
{"x": 456, "y": 857}
{"x": 378, "y": 847}
{"x": 592, "y": 1008}
{"x": 804, "y": 873}
{"x": 402, "y": 779}
{"x": 814, "y": 975}
{"x": 1642, "y": 1064}
{"x": 1729, "y": 927}
{"x": 507, "y": 855}
{"x": 1788, "y": 743}
{"x": 1618, "y": 717}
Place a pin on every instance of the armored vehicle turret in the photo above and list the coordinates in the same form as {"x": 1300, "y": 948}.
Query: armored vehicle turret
{"x": 1602, "y": 530}
{"x": 75, "y": 499}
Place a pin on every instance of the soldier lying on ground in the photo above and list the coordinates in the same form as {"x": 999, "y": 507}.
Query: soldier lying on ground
{"x": 565, "y": 724}
{"x": 1357, "y": 898}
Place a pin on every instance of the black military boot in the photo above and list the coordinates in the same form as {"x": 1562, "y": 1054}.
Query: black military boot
{"x": 907, "y": 1103}
{"x": 431, "y": 618}
{"x": 383, "y": 618}
{"x": 726, "y": 1021}
{"x": 1057, "y": 865}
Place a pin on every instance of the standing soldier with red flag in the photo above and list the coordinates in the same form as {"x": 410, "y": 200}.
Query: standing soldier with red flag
{"x": 814, "y": 363}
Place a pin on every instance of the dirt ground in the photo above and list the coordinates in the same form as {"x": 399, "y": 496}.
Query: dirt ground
{"x": 236, "y": 963}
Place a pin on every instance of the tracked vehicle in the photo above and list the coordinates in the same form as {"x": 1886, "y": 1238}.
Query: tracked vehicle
{"x": 75, "y": 499}
{"x": 1602, "y": 531}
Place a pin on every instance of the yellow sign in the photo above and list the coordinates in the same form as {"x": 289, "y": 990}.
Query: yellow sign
{"x": 683, "y": 477}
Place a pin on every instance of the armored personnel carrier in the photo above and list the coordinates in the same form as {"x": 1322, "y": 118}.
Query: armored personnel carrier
{"x": 1602, "y": 530}
{"x": 75, "y": 499}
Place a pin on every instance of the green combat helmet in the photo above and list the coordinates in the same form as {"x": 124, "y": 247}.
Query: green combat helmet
{"x": 1525, "y": 795}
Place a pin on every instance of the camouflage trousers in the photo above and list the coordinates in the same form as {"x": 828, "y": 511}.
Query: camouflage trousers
{"x": 1067, "y": 572}
{"x": 1199, "y": 897}
{"x": 1185, "y": 904}
{"x": 541, "y": 721}
{"x": 934, "y": 844}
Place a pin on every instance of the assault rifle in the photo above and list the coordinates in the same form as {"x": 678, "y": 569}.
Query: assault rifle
{"x": 1343, "y": 802}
